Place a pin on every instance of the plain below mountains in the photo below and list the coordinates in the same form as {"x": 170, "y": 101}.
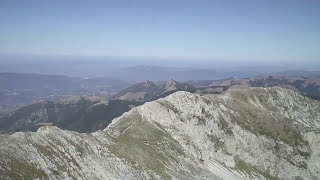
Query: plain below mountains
{"x": 254, "y": 133}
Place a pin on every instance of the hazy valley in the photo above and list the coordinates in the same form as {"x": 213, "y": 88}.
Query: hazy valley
{"x": 168, "y": 90}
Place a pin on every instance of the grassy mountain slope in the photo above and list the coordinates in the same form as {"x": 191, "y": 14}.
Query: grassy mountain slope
{"x": 81, "y": 114}
{"x": 256, "y": 133}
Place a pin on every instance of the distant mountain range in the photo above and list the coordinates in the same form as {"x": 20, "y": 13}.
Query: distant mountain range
{"x": 89, "y": 114}
{"x": 141, "y": 68}
{"x": 308, "y": 74}
{"x": 17, "y": 90}
{"x": 148, "y": 91}
{"x": 158, "y": 73}
{"x": 309, "y": 87}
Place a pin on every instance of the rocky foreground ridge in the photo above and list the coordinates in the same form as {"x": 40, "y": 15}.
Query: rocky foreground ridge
{"x": 255, "y": 133}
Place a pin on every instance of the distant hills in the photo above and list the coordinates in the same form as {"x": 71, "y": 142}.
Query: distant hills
{"x": 17, "y": 90}
{"x": 309, "y": 87}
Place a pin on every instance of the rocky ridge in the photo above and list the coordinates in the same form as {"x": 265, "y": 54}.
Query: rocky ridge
{"x": 255, "y": 133}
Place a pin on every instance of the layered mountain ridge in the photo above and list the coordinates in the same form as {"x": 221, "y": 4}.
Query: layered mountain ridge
{"x": 309, "y": 87}
{"x": 90, "y": 116}
{"x": 255, "y": 133}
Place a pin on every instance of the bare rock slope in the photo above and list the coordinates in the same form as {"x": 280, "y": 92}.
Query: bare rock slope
{"x": 255, "y": 133}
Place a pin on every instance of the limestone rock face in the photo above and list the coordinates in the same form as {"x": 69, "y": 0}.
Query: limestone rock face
{"x": 255, "y": 133}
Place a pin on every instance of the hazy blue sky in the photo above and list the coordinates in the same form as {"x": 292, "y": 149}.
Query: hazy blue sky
{"x": 234, "y": 30}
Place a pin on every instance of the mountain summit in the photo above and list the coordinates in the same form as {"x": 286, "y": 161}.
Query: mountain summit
{"x": 173, "y": 86}
{"x": 255, "y": 133}
{"x": 140, "y": 92}
{"x": 148, "y": 91}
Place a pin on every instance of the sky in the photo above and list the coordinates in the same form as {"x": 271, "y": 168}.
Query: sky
{"x": 259, "y": 30}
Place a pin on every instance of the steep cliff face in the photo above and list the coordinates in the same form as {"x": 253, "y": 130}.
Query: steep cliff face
{"x": 256, "y": 133}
